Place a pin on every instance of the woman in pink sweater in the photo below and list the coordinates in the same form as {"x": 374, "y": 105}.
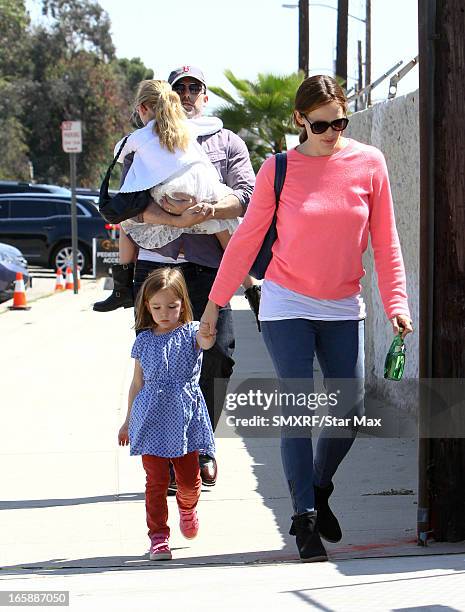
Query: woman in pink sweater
{"x": 336, "y": 194}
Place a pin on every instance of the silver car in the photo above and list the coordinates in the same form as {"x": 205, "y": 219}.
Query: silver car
{"x": 11, "y": 262}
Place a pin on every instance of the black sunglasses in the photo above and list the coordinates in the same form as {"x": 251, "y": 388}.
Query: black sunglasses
{"x": 319, "y": 127}
{"x": 194, "y": 88}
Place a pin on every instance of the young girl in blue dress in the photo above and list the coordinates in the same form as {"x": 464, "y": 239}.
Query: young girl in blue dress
{"x": 167, "y": 417}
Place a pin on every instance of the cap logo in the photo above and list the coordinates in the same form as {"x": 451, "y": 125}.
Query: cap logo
{"x": 186, "y": 68}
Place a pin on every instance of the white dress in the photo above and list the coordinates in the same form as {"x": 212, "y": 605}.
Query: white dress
{"x": 189, "y": 172}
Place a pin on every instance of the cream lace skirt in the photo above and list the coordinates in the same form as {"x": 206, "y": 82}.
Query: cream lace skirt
{"x": 200, "y": 181}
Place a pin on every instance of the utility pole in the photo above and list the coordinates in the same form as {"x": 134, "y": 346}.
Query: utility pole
{"x": 368, "y": 49}
{"x": 303, "y": 37}
{"x": 360, "y": 70}
{"x": 341, "y": 45}
{"x": 441, "y": 486}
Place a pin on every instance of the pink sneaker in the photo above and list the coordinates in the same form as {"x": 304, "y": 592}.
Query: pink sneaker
{"x": 159, "y": 547}
{"x": 188, "y": 523}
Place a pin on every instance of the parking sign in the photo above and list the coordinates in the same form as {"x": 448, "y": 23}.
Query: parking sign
{"x": 71, "y": 136}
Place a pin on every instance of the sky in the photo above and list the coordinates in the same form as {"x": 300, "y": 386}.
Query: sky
{"x": 257, "y": 36}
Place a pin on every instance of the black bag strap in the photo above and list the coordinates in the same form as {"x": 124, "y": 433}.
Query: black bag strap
{"x": 118, "y": 154}
{"x": 106, "y": 181}
{"x": 280, "y": 175}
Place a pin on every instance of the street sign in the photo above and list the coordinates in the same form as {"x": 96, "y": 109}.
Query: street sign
{"x": 71, "y": 136}
{"x": 105, "y": 256}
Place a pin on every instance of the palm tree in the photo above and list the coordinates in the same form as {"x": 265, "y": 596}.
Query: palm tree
{"x": 262, "y": 115}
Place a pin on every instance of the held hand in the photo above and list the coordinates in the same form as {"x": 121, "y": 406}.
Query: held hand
{"x": 208, "y": 209}
{"x": 192, "y": 216}
{"x": 209, "y": 319}
{"x": 401, "y": 323}
{"x": 123, "y": 435}
{"x": 204, "y": 330}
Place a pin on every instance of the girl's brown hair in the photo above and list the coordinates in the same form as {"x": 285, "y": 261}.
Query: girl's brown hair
{"x": 162, "y": 278}
{"x": 317, "y": 91}
{"x": 170, "y": 120}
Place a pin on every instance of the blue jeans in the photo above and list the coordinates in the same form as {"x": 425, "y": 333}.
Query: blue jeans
{"x": 339, "y": 348}
{"x": 217, "y": 362}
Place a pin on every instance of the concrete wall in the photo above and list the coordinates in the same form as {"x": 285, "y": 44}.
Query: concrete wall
{"x": 392, "y": 126}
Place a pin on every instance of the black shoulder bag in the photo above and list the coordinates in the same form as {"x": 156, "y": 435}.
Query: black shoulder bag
{"x": 121, "y": 206}
{"x": 264, "y": 256}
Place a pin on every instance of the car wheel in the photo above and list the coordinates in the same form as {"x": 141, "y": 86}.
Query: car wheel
{"x": 63, "y": 258}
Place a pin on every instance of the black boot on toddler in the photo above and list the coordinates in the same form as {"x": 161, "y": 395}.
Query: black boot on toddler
{"x": 122, "y": 295}
{"x": 308, "y": 540}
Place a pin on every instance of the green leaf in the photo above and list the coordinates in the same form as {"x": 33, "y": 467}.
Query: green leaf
{"x": 261, "y": 111}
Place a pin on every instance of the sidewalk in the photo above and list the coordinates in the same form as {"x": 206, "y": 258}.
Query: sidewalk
{"x": 72, "y": 503}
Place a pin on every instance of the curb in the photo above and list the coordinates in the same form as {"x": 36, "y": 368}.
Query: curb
{"x": 85, "y": 285}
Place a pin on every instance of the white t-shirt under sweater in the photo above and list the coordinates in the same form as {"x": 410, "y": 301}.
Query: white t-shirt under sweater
{"x": 278, "y": 303}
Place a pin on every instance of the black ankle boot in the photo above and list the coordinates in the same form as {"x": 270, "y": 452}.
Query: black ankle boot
{"x": 122, "y": 295}
{"x": 308, "y": 539}
{"x": 252, "y": 295}
{"x": 327, "y": 524}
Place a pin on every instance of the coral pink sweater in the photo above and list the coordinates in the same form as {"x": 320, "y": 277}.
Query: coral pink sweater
{"x": 329, "y": 206}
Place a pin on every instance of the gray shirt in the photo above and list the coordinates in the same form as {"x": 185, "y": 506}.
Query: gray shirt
{"x": 229, "y": 155}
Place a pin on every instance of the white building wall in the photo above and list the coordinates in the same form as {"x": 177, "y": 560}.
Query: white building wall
{"x": 392, "y": 126}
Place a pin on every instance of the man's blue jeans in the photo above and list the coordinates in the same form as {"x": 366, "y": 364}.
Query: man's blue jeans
{"x": 339, "y": 348}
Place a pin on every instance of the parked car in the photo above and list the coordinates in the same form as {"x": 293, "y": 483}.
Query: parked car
{"x": 87, "y": 191}
{"x": 92, "y": 193}
{"x": 23, "y": 187}
{"x": 40, "y": 225}
{"x": 11, "y": 262}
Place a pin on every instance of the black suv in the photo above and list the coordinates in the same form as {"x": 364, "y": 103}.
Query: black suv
{"x": 39, "y": 224}
{"x": 23, "y": 187}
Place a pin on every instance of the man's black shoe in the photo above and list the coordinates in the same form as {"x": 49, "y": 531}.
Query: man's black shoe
{"x": 208, "y": 470}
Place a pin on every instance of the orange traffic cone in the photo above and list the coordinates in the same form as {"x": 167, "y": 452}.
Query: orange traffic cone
{"x": 60, "y": 283}
{"x": 19, "y": 296}
{"x": 69, "y": 279}
{"x": 79, "y": 277}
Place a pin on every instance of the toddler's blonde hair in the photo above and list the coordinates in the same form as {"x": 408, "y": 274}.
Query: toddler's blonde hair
{"x": 170, "y": 119}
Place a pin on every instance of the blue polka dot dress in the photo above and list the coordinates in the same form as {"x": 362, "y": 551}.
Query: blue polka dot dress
{"x": 169, "y": 416}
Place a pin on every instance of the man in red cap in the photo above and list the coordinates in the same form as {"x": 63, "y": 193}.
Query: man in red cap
{"x": 199, "y": 255}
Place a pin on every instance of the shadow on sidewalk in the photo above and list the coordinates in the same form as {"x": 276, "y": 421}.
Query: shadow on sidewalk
{"x": 20, "y": 504}
{"x": 349, "y": 567}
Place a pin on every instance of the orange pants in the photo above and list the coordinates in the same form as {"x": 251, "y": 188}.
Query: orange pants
{"x": 157, "y": 472}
